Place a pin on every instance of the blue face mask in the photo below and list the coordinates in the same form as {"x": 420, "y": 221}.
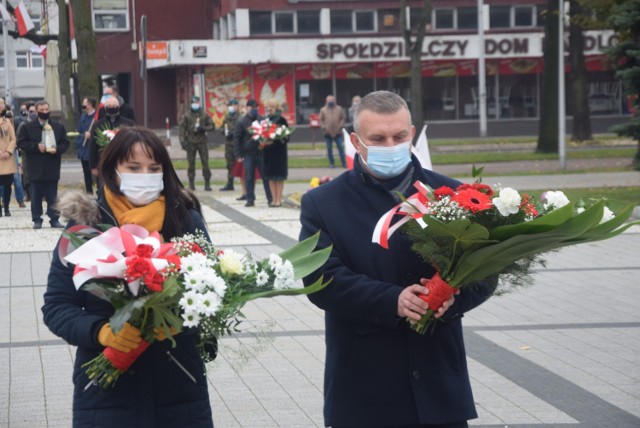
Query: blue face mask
{"x": 195, "y": 107}
{"x": 387, "y": 162}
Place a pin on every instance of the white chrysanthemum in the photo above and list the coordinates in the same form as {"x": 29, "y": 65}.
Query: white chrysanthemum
{"x": 191, "y": 319}
{"x": 231, "y": 263}
{"x": 194, "y": 262}
{"x": 275, "y": 261}
{"x": 217, "y": 284}
{"x": 507, "y": 202}
{"x": 555, "y": 200}
{"x": 197, "y": 280}
{"x": 262, "y": 278}
{"x": 607, "y": 215}
{"x": 190, "y": 301}
{"x": 210, "y": 303}
{"x": 284, "y": 276}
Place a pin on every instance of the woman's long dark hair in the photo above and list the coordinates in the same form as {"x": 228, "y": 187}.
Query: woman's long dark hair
{"x": 179, "y": 200}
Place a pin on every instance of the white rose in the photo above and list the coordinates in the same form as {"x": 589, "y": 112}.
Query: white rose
{"x": 555, "y": 200}
{"x": 230, "y": 263}
{"x": 508, "y": 201}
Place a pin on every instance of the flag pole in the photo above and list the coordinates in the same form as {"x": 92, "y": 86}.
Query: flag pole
{"x": 7, "y": 78}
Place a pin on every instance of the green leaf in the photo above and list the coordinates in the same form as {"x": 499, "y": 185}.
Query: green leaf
{"x": 306, "y": 265}
{"x": 540, "y": 224}
{"x": 302, "y": 248}
{"x": 316, "y": 286}
{"x": 461, "y": 230}
{"x": 125, "y": 313}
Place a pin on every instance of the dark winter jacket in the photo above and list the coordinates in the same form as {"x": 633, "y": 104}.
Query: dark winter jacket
{"x": 243, "y": 143}
{"x": 100, "y": 126}
{"x": 42, "y": 166}
{"x": 378, "y": 371}
{"x": 154, "y": 392}
{"x": 82, "y": 144}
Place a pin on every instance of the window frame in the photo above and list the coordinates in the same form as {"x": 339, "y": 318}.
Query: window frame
{"x": 112, "y": 12}
{"x": 454, "y": 21}
{"x": 297, "y": 18}
{"x": 37, "y": 56}
{"x": 354, "y": 17}
{"x": 294, "y": 21}
{"x": 533, "y": 14}
{"x": 271, "y": 20}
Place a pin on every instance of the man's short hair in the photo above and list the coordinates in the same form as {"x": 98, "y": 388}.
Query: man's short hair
{"x": 41, "y": 103}
{"x": 380, "y": 102}
{"x": 91, "y": 101}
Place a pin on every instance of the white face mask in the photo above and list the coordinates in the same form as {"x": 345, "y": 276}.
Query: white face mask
{"x": 141, "y": 189}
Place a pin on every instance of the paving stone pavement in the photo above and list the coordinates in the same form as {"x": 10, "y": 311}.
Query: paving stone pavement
{"x": 561, "y": 353}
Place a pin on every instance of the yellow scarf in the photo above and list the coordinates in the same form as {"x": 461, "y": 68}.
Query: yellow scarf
{"x": 150, "y": 216}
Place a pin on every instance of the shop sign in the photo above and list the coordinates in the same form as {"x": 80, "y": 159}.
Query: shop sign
{"x": 199, "y": 51}
{"x": 157, "y": 50}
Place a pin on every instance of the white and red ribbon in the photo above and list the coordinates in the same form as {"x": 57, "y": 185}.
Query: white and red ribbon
{"x": 413, "y": 208}
{"x": 106, "y": 255}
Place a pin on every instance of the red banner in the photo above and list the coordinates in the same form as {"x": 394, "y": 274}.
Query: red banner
{"x": 276, "y": 81}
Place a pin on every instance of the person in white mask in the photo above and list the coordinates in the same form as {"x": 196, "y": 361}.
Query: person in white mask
{"x": 379, "y": 372}
{"x": 140, "y": 186}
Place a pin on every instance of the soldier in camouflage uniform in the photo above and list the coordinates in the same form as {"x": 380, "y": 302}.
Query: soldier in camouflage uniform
{"x": 228, "y": 125}
{"x": 193, "y": 137}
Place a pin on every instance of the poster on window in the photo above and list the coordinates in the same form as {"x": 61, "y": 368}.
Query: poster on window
{"x": 223, "y": 83}
{"x": 354, "y": 70}
{"x": 313, "y": 71}
{"x": 276, "y": 81}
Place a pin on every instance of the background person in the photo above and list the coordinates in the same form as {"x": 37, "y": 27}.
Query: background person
{"x": 247, "y": 151}
{"x": 379, "y": 372}
{"x": 228, "y": 126}
{"x": 7, "y": 162}
{"x": 43, "y": 165}
{"x": 275, "y": 155}
{"x": 194, "y": 126}
{"x": 156, "y": 392}
{"x": 332, "y": 120}
{"x": 17, "y": 177}
{"x": 112, "y": 120}
{"x": 82, "y": 142}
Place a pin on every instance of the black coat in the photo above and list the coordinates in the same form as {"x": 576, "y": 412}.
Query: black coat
{"x": 276, "y": 165}
{"x": 243, "y": 144}
{"x": 379, "y": 372}
{"x": 42, "y": 166}
{"x": 154, "y": 393}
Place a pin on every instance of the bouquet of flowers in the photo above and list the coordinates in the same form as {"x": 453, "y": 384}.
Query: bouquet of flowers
{"x": 104, "y": 136}
{"x": 473, "y": 232}
{"x": 266, "y": 132}
{"x": 163, "y": 288}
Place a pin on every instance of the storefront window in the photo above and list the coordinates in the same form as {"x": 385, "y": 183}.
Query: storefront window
{"x": 283, "y": 22}
{"x": 444, "y": 19}
{"x": 467, "y": 18}
{"x": 259, "y": 22}
{"x": 524, "y": 16}
{"x": 341, "y": 21}
{"x": 308, "y": 21}
{"x": 365, "y": 20}
{"x": 500, "y": 16}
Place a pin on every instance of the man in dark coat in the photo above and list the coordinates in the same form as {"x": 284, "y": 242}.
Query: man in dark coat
{"x": 45, "y": 160}
{"x": 126, "y": 110}
{"x": 112, "y": 121}
{"x": 85, "y": 122}
{"x": 379, "y": 372}
{"x": 247, "y": 151}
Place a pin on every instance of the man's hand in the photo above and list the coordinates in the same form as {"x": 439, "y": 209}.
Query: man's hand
{"x": 410, "y": 305}
{"x": 442, "y": 309}
{"x": 94, "y": 171}
{"x": 42, "y": 147}
{"x": 87, "y": 135}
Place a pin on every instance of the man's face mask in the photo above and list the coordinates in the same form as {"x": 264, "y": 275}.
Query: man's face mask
{"x": 195, "y": 106}
{"x": 387, "y": 162}
{"x": 112, "y": 111}
{"x": 232, "y": 109}
{"x": 141, "y": 189}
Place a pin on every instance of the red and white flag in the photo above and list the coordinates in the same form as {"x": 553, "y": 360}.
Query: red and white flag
{"x": 25, "y": 24}
{"x": 421, "y": 149}
{"x": 349, "y": 150}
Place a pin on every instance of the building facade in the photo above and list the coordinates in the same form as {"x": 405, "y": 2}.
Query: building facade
{"x": 299, "y": 51}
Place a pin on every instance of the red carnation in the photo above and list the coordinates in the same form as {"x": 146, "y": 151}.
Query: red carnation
{"x": 195, "y": 248}
{"x": 138, "y": 267}
{"x": 473, "y": 200}
{"x": 174, "y": 261}
{"x": 484, "y": 188}
{"x": 154, "y": 281}
{"x": 443, "y": 191}
{"x": 144, "y": 250}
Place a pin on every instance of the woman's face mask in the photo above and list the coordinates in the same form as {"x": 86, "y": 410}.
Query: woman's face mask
{"x": 387, "y": 162}
{"x": 141, "y": 189}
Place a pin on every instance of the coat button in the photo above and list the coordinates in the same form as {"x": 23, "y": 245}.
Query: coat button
{"x": 416, "y": 374}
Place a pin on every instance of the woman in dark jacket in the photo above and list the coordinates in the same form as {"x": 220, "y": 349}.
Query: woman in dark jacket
{"x": 275, "y": 155}
{"x": 165, "y": 387}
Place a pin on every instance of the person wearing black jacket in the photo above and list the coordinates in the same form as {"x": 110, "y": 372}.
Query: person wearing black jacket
{"x": 379, "y": 372}
{"x": 112, "y": 121}
{"x": 44, "y": 163}
{"x": 165, "y": 387}
{"x": 247, "y": 151}
{"x": 126, "y": 110}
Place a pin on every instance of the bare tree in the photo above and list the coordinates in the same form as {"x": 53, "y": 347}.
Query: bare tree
{"x": 548, "y": 126}
{"x": 88, "y": 82}
{"x": 581, "y": 128}
{"x": 64, "y": 65}
{"x": 413, "y": 40}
